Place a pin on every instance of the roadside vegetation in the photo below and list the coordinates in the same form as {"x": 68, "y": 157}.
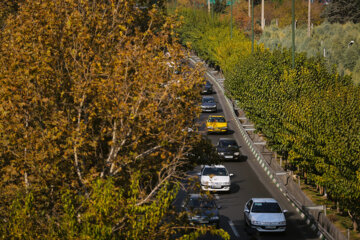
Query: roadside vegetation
{"x": 94, "y": 122}
{"x": 308, "y": 114}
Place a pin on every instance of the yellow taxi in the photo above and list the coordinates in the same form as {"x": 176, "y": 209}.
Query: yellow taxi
{"x": 216, "y": 124}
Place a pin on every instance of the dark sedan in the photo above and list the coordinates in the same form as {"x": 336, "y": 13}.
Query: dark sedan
{"x": 207, "y": 88}
{"x": 208, "y": 104}
{"x": 201, "y": 209}
{"x": 228, "y": 149}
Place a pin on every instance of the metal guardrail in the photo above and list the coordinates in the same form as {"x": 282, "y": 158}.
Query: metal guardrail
{"x": 271, "y": 172}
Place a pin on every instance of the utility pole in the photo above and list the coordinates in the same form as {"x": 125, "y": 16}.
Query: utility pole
{"x": 252, "y": 26}
{"x": 309, "y": 19}
{"x": 262, "y": 15}
{"x": 209, "y": 8}
{"x": 231, "y": 21}
{"x": 293, "y": 32}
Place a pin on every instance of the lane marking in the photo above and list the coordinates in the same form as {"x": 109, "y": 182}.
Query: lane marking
{"x": 234, "y": 229}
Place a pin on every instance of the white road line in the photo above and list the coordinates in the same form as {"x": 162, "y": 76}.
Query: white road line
{"x": 234, "y": 229}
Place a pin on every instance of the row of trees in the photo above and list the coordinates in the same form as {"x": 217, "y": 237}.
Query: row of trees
{"x": 337, "y": 43}
{"x": 94, "y": 122}
{"x": 309, "y": 113}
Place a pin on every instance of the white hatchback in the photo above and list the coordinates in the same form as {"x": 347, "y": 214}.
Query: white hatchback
{"x": 264, "y": 215}
{"x": 215, "y": 178}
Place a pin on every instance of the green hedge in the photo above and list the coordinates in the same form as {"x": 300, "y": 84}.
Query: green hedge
{"x": 310, "y": 113}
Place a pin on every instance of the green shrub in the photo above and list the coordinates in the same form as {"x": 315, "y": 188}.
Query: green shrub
{"x": 334, "y": 38}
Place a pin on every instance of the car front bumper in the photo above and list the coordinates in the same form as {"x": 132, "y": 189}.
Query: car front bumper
{"x": 223, "y": 188}
{"x": 262, "y": 228}
{"x": 217, "y": 130}
{"x": 214, "y": 109}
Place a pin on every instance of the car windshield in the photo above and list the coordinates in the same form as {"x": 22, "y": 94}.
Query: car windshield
{"x": 216, "y": 119}
{"x": 208, "y": 84}
{"x": 215, "y": 171}
{"x": 201, "y": 203}
{"x": 208, "y": 100}
{"x": 266, "y": 207}
{"x": 228, "y": 143}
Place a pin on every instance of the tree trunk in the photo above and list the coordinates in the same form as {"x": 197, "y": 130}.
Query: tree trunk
{"x": 309, "y": 19}
{"x": 262, "y": 15}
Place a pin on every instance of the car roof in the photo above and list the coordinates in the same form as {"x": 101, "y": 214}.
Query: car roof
{"x": 214, "y": 166}
{"x": 270, "y": 200}
{"x": 211, "y": 116}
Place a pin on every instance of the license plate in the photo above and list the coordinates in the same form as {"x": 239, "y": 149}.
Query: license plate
{"x": 270, "y": 227}
{"x": 216, "y": 186}
{"x": 228, "y": 156}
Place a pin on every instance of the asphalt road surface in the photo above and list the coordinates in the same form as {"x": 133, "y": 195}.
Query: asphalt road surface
{"x": 249, "y": 181}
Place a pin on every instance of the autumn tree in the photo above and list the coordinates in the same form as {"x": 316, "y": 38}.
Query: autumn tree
{"x": 342, "y": 11}
{"x": 94, "y": 122}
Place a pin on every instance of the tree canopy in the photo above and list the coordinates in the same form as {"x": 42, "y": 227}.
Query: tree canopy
{"x": 93, "y": 122}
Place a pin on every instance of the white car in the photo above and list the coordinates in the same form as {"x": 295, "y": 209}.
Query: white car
{"x": 264, "y": 215}
{"x": 215, "y": 178}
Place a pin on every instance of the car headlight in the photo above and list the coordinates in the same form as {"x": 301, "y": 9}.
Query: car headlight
{"x": 223, "y": 128}
{"x": 282, "y": 223}
{"x": 210, "y": 127}
{"x": 214, "y": 218}
{"x": 236, "y": 153}
{"x": 256, "y": 223}
{"x": 227, "y": 183}
{"x": 204, "y": 183}
{"x": 221, "y": 153}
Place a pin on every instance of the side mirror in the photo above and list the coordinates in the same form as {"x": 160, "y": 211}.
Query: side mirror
{"x": 199, "y": 173}
{"x": 231, "y": 174}
{"x": 247, "y": 210}
{"x": 285, "y": 211}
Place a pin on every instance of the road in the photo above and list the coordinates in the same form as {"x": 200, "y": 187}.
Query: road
{"x": 249, "y": 181}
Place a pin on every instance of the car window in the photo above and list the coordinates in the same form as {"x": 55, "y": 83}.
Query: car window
{"x": 215, "y": 171}
{"x": 228, "y": 143}
{"x": 217, "y": 119}
{"x": 266, "y": 207}
{"x": 201, "y": 203}
{"x": 248, "y": 205}
{"x": 208, "y": 100}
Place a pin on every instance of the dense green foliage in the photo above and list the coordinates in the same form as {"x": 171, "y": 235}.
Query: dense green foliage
{"x": 342, "y": 11}
{"x": 94, "y": 122}
{"x": 309, "y": 114}
{"x": 211, "y": 39}
{"x": 334, "y": 41}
